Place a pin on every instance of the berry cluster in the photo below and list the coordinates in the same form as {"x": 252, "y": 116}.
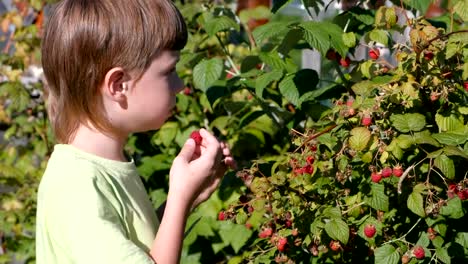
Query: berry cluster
{"x": 386, "y": 172}
{"x": 458, "y": 189}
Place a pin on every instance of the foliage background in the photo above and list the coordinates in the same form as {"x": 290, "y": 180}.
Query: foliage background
{"x": 247, "y": 85}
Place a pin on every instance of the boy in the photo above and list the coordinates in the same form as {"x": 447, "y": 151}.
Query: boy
{"x": 110, "y": 70}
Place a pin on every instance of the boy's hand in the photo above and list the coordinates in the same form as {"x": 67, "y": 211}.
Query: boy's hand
{"x": 198, "y": 169}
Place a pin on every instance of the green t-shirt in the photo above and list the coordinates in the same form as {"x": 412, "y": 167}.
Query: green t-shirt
{"x": 92, "y": 210}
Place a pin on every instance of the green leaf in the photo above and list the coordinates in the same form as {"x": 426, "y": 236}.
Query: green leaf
{"x": 453, "y": 208}
{"x": 425, "y": 137}
{"x": 379, "y": 36}
{"x": 446, "y": 165}
{"x": 365, "y": 68}
{"x": 442, "y": 255}
{"x": 408, "y": 122}
{"x": 415, "y": 203}
{"x": 337, "y": 229}
{"x": 449, "y": 138}
{"x": 278, "y": 4}
{"x": 349, "y": 39}
{"x": 234, "y": 235}
{"x": 461, "y": 9}
{"x": 264, "y": 80}
{"x": 207, "y": 72}
{"x": 323, "y": 35}
{"x": 420, "y": 5}
{"x": 449, "y": 123}
{"x": 359, "y": 139}
{"x": 332, "y": 212}
{"x": 363, "y": 88}
{"x": 462, "y": 239}
{"x": 378, "y": 200}
{"x": 221, "y": 23}
{"x": 386, "y": 254}
{"x": 273, "y": 60}
{"x": 168, "y": 132}
{"x": 454, "y": 151}
{"x": 269, "y": 30}
{"x": 293, "y": 86}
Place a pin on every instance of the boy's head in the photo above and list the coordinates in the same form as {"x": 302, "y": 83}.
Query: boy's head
{"x": 84, "y": 39}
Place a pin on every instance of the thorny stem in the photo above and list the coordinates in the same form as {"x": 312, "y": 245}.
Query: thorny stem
{"x": 315, "y": 136}
{"x": 228, "y": 56}
{"x": 354, "y": 206}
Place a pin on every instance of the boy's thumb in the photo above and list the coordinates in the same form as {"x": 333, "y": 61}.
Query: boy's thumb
{"x": 187, "y": 150}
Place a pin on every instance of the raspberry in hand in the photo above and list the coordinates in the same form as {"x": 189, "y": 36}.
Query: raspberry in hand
{"x": 195, "y": 135}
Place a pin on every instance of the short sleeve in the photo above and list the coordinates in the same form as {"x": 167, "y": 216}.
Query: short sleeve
{"x": 90, "y": 223}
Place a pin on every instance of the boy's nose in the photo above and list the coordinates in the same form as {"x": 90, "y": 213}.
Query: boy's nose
{"x": 178, "y": 85}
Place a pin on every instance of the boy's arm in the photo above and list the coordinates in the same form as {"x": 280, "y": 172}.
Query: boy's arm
{"x": 195, "y": 169}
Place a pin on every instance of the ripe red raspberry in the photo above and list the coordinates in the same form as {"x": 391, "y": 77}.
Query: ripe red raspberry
{"x": 310, "y": 159}
{"x": 248, "y": 225}
{"x": 369, "y": 231}
{"x": 282, "y": 243}
{"x": 345, "y": 62}
{"x": 187, "y": 91}
{"x": 374, "y": 54}
{"x": 267, "y": 232}
{"x": 418, "y": 252}
{"x": 221, "y": 216}
{"x": 387, "y": 172}
{"x": 288, "y": 223}
{"x": 463, "y": 195}
{"x": 397, "y": 171}
{"x": 428, "y": 55}
{"x": 195, "y": 135}
{"x": 335, "y": 245}
{"x": 376, "y": 177}
{"x": 366, "y": 120}
{"x": 309, "y": 169}
{"x": 465, "y": 85}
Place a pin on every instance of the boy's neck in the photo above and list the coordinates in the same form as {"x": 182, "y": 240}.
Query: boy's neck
{"x": 92, "y": 141}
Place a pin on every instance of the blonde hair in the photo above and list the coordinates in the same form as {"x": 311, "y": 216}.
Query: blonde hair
{"x": 84, "y": 39}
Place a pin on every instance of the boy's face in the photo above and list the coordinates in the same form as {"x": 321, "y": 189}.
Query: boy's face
{"x": 152, "y": 98}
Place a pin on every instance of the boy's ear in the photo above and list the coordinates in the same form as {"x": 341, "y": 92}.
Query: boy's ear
{"x": 115, "y": 84}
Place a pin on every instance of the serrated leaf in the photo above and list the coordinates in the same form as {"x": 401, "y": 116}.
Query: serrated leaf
{"x": 446, "y": 165}
{"x": 273, "y": 60}
{"x": 408, "y": 122}
{"x": 359, "y": 139}
{"x": 378, "y": 199}
{"x": 349, "y": 39}
{"x": 365, "y": 68}
{"x": 454, "y": 151}
{"x": 379, "y": 36}
{"x": 234, "y": 235}
{"x": 168, "y": 132}
{"x": 453, "y": 208}
{"x": 332, "y": 212}
{"x": 461, "y": 9}
{"x": 442, "y": 255}
{"x": 415, "y": 203}
{"x": 449, "y": 123}
{"x": 386, "y": 254}
{"x": 323, "y": 35}
{"x": 207, "y": 72}
{"x": 420, "y": 5}
{"x": 363, "y": 88}
{"x": 452, "y": 139}
{"x": 425, "y": 137}
{"x": 269, "y": 30}
{"x": 264, "y": 80}
{"x": 462, "y": 239}
{"x": 278, "y": 4}
{"x": 337, "y": 229}
{"x": 221, "y": 23}
{"x": 293, "y": 86}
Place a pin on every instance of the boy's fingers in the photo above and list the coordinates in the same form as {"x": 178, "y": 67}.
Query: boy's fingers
{"x": 187, "y": 151}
